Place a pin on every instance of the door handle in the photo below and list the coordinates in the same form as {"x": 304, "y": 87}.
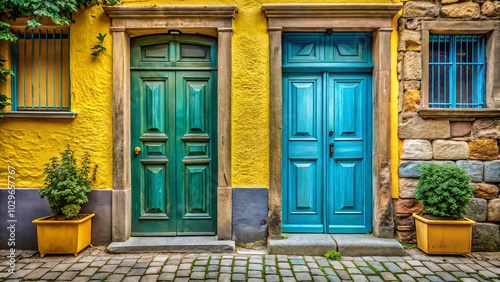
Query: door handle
{"x": 137, "y": 150}
{"x": 331, "y": 149}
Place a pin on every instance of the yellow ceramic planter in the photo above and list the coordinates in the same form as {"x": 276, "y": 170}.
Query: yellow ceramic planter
{"x": 444, "y": 236}
{"x": 63, "y": 236}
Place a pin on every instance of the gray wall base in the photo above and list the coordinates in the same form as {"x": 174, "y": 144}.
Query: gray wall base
{"x": 250, "y": 208}
{"x": 29, "y": 206}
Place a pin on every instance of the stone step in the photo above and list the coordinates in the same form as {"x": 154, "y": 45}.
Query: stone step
{"x": 346, "y": 244}
{"x": 187, "y": 244}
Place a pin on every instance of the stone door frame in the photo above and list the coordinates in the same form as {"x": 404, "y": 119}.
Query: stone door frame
{"x": 376, "y": 18}
{"x": 129, "y": 21}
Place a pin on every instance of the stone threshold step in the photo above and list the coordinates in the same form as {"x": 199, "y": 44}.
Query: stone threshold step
{"x": 346, "y": 244}
{"x": 187, "y": 244}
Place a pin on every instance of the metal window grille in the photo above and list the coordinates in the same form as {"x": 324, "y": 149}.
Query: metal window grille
{"x": 40, "y": 62}
{"x": 457, "y": 71}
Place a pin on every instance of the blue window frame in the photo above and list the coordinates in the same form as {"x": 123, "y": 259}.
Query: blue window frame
{"x": 457, "y": 71}
{"x": 40, "y": 62}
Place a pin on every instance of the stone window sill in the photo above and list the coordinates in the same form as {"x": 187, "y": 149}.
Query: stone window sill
{"x": 458, "y": 114}
{"x": 32, "y": 114}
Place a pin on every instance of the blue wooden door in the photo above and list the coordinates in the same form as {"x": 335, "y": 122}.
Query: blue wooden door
{"x": 327, "y": 133}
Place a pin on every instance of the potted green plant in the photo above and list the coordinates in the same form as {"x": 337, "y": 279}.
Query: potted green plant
{"x": 445, "y": 192}
{"x": 66, "y": 188}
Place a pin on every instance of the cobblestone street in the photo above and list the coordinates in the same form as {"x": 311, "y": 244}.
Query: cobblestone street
{"x": 94, "y": 264}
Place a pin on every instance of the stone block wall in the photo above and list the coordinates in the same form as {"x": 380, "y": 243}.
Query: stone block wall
{"x": 471, "y": 142}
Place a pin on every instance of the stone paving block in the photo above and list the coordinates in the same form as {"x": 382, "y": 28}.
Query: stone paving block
{"x": 61, "y": 267}
{"x": 88, "y": 271}
{"x": 329, "y": 271}
{"x": 459, "y": 274}
{"x": 423, "y": 280}
{"x": 183, "y": 279}
{"x": 319, "y": 279}
{"x": 149, "y": 278}
{"x": 132, "y": 279}
{"x": 197, "y": 275}
{"x": 374, "y": 279}
{"x": 36, "y": 274}
{"x": 289, "y": 279}
{"x": 108, "y": 268}
{"x": 98, "y": 263}
{"x": 239, "y": 269}
{"x": 135, "y": 271}
{"x": 359, "y": 278}
{"x": 348, "y": 264}
{"x": 434, "y": 278}
{"x": 68, "y": 275}
{"x": 240, "y": 263}
{"x": 377, "y": 265}
{"x": 488, "y": 274}
{"x": 367, "y": 270}
{"x": 354, "y": 270}
{"x": 431, "y": 266}
{"x": 199, "y": 268}
{"x": 333, "y": 278}
{"x": 153, "y": 270}
{"x": 127, "y": 262}
{"x": 166, "y": 277}
{"x": 225, "y": 269}
{"x": 141, "y": 264}
{"x": 33, "y": 265}
{"x": 300, "y": 268}
{"x": 254, "y": 274}
{"x": 225, "y": 262}
{"x": 387, "y": 276}
{"x": 448, "y": 267}
{"x": 118, "y": 261}
{"x": 270, "y": 270}
{"x": 317, "y": 272}
{"x": 405, "y": 277}
{"x": 79, "y": 266}
{"x": 284, "y": 265}
{"x": 257, "y": 267}
{"x": 343, "y": 274}
{"x": 414, "y": 263}
{"x": 238, "y": 277}
{"x": 392, "y": 267}
{"x": 286, "y": 272}
{"x": 272, "y": 278}
{"x": 303, "y": 276}
{"x": 414, "y": 273}
{"x": 337, "y": 265}
{"x": 404, "y": 265}
{"x": 297, "y": 261}
{"x": 115, "y": 278}
{"x": 360, "y": 263}
{"x": 255, "y": 280}
{"x": 445, "y": 276}
{"x": 173, "y": 268}
{"x": 183, "y": 273}
{"x": 51, "y": 275}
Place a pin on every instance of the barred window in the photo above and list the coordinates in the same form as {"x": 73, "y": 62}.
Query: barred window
{"x": 40, "y": 62}
{"x": 457, "y": 71}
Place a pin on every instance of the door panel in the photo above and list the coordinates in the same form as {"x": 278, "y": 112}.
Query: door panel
{"x": 302, "y": 145}
{"x": 327, "y": 153}
{"x": 151, "y": 108}
{"x": 174, "y": 177}
{"x": 349, "y": 183}
{"x": 197, "y": 184}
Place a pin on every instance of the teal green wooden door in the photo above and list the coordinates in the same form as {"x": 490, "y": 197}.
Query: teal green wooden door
{"x": 173, "y": 124}
{"x": 327, "y": 133}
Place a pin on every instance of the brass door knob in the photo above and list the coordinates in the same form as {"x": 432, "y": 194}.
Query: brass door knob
{"x": 137, "y": 150}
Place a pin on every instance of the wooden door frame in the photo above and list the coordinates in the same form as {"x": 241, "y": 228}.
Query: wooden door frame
{"x": 376, "y": 18}
{"x": 129, "y": 21}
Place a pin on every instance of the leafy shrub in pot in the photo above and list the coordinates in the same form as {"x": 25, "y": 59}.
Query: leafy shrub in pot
{"x": 444, "y": 190}
{"x": 66, "y": 185}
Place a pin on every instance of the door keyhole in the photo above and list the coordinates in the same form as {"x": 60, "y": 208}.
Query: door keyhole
{"x": 330, "y": 133}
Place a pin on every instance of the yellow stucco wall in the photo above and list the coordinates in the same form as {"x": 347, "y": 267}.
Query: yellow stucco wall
{"x": 29, "y": 143}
